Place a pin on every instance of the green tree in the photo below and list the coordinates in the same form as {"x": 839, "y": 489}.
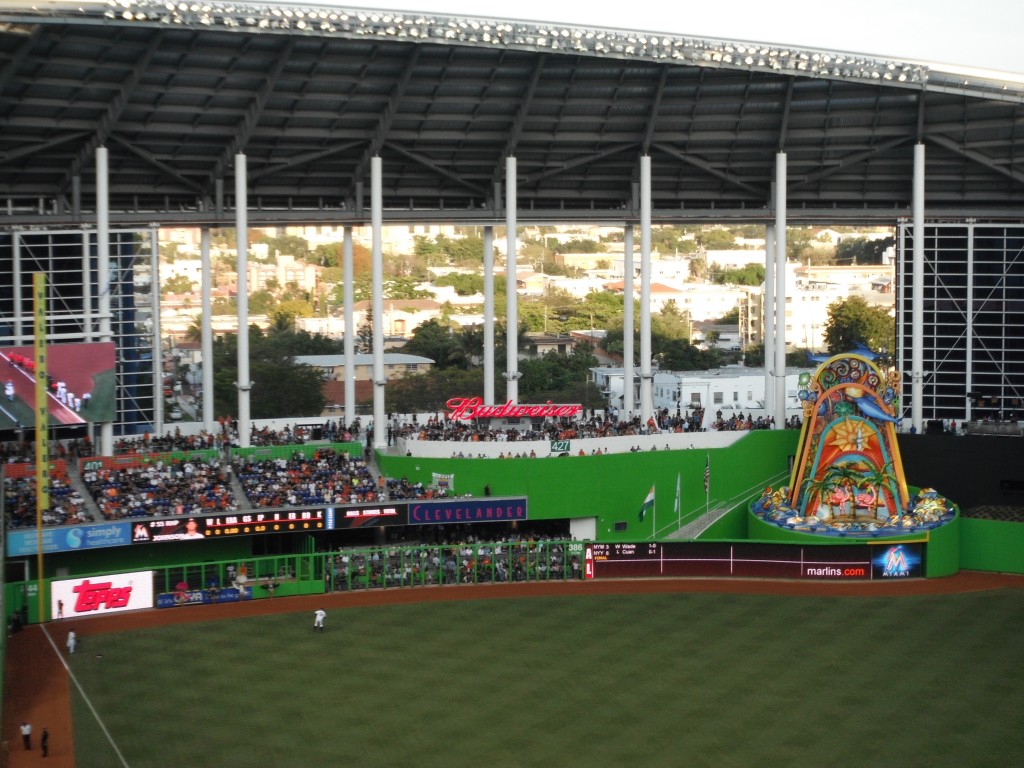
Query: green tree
{"x": 430, "y": 390}
{"x": 288, "y": 245}
{"x": 194, "y": 332}
{"x": 282, "y": 388}
{"x": 436, "y": 341}
{"x": 862, "y": 250}
{"x": 797, "y": 358}
{"x": 223, "y": 305}
{"x": 717, "y": 239}
{"x": 818, "y": 488}
{"x": 853, "y": 320}
{"x": 262, "y": 302}
{"x": 364, "y": 334}
{"x": 176, "y": 284}
{"x": 671, "y": 323}
{"x": 730, "y": 317}
{"x": 550, "y": 376}
{"x": 579, "y": 246}
{"x": 404, "y": 288}
{"x": 465, "y": 284}
{"x": 749, "y": 274}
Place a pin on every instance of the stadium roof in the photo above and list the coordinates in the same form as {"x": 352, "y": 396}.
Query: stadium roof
{"x": 311, "y": 93}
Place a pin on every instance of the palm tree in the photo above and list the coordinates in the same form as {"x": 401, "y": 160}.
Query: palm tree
{"x": 847, "y": 477}
{"x": 819, "y": 487}
{"x": 880, "y": 478}
{"x": 194, "y": 332}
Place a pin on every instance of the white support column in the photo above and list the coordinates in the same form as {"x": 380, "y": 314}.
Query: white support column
{"x": 350, "y": 330}
{"x": 779, "y": 411}
{"x": 969, "y": 311}
{"x": 511, "y": 297}
{"x": 87, "y": 310}
{"x": 244, "y": 384}
{"x": 206, "y": 329}
{"x": 20, "y": 337}
{"x": 768, "y": 315}
{"x": 380, "y": 427}
{"x": 104, "y": 275}
{"x": 917, "y": 297}
{"x": 646, "y": 375}
{"x": 157, "y": 347}
{"x": 628, "y": 321}
{"x": 488, "y": 315}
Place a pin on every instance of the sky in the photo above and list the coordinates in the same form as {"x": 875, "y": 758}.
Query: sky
{"x": 979, "y": 35}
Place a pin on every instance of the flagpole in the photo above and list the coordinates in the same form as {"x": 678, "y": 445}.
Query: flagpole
{"x": 654, "y": 519}
{"x": 707, "y": 484}
{"x": 679, "y": 502}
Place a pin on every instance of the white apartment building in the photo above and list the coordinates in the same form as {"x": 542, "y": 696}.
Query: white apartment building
{"x": 809, "y": 292}
{"x": 703, "y": 301}
{"x": 731, "y": 390}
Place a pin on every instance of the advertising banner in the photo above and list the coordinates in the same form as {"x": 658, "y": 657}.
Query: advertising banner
{"x": 100, "y": 595}
{"x": 202, "y": 596}
{"x": 489, "y": 510}
{"x": 24, "y": 541}
{"x": 365, "y": 517}
{"x": 897, "y": 560}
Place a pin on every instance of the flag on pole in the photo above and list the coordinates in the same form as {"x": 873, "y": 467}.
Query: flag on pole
{"x": 679, "y": 505}
{"x": 707, "y": 473}
{"x": 647, "y": 505}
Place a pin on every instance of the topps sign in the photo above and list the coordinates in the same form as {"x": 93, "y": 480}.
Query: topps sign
{"x": 99, "y": 595}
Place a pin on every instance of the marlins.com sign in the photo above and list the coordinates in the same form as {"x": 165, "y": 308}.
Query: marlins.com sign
{"x": 100, "y": 595}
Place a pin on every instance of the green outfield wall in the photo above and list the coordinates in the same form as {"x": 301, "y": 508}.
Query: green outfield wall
{"x": 991, "y": 545}
{"x": 609, "y": 488}
{"x": 612, "y": 487}
{"x": 944, "y": 546}
{"x": 307, "y": 450}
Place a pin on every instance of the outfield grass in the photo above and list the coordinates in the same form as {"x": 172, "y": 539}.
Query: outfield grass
{"x": 651, "y": 680}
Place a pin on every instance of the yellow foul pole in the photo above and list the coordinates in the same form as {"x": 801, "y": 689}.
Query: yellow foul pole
{"x": 42, "y": 430}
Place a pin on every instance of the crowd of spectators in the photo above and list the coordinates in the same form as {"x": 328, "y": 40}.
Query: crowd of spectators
{"x": 160, "y": 489}
{"x": 403, "y": 489}
{"x": 187, "y": 487}
{"x": 328, "y": 477}
{"x": 66, "y": 505}
{"x": 226, "y": 436}
{"x": 592, "y": 424}
{"x": 513, "y": 558}
{"x": 740, "y": 422}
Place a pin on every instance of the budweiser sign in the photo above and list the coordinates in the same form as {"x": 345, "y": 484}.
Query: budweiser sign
{"x": 466, "y": 408}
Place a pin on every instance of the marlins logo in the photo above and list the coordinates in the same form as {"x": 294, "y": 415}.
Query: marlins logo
{"x": 896, "y": 564}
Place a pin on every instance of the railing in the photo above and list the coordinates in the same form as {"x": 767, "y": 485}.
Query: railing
{"x": 477, "y": 563}
{"x": 1001, "y": 428}
{"x": 383, "y": 567}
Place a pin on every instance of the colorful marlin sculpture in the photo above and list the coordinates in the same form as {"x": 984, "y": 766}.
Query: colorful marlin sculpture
{"x": 848, "y": 476}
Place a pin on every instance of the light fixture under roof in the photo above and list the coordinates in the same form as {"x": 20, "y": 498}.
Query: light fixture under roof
{"x": 321, "y": 20}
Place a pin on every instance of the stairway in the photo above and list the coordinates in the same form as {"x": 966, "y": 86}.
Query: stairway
{"x": 241, "y": 500}
{"x": 76, "y": 482}
{"x": 695, "y": 528}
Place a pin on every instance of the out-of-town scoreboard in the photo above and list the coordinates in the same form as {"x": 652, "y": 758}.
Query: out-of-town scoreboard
{"x": 893, "y": 560}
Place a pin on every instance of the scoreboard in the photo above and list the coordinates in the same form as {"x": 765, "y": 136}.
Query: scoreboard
{"x": 887, "y": 561}
{"x": 242, "y": 523}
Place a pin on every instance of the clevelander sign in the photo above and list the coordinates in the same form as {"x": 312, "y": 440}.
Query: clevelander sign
{"x": 100, "y": 595}
{"x": 467, "y": 511}
{"x": 466, "y": 408}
